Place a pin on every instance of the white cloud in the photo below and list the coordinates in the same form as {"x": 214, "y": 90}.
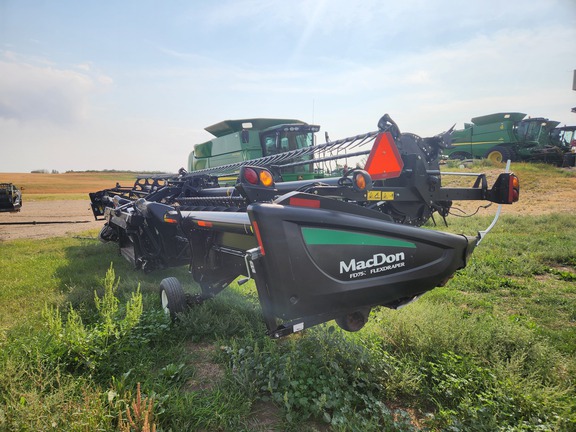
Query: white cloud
{"x": 30, "y": 91}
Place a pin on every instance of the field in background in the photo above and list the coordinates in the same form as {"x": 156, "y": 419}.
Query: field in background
{"x": 70, "y": 184}
{"x": 544, "y": 188}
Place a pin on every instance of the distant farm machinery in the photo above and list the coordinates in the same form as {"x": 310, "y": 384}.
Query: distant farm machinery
{"x": 331, "y": 245}
{"x": 10, "y": 198}
{"x": 513, "y": 136}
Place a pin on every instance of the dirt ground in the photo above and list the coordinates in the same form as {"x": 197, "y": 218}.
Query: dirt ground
{"x": 540, "y": 196}
{"x": 76, "y": 214}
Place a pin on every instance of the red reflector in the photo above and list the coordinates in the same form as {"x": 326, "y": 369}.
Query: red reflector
{"x": 258, "y": 237}
{"x": 513, "y": 189}
{"x": 205, "y": 224}
{"x": 251, "y": 176}
{"x": 303, "y": 202}
{"x": 384, "y": 160}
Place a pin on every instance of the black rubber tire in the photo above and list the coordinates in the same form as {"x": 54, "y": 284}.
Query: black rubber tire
{"x": 172, "y": 297}
{"x": 460, "y": 155}
{"x": 107, "y": 234}
{"x": 354, "y": 321}
{"x": 499, "y": 154}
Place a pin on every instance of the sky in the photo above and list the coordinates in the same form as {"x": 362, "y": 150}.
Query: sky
{"x": 131, "y": 85}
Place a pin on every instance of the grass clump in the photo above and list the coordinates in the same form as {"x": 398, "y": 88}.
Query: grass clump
{"x": 473, "y": 372}
{"x": 322, "y": 375}
{"x": 48, "y": 379}
{"x": 89, "y": 348}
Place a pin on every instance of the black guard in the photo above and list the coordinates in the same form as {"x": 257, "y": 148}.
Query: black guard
{"x": 322, "y": 261}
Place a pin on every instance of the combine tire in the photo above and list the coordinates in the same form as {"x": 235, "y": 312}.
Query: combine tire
{"x": 354, "y": 321}
{"x": 499, "y": 154}
{"x": 172, "y": 297}
{"x": 460, "y": 155}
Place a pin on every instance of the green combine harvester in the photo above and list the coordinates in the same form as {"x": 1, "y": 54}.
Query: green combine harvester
{"x": 247, "y": 139}
{"x": 507, "y": 136}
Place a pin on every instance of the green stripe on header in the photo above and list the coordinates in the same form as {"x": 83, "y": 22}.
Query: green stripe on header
{"x": 322, "y": 236}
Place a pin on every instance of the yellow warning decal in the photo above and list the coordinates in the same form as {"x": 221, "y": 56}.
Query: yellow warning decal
{"x": 374, "y": 195}
{"x": 380, "y": 196}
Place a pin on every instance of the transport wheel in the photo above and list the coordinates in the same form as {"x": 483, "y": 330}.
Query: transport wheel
{"x": 353, "y": 321}
{"x": 107, "y": 234}
{"x": 172, "y": 297}
{"x": 498, "y": 154}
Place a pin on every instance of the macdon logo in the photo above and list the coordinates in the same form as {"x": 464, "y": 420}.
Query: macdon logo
{"x": 376, "y": 260}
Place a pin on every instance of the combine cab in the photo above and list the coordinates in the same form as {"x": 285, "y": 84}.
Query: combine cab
{"x": 565, "y": 138}
{"x": 242, "y": 140}
{"x": 10, "y": 198}
{"x": 317, "y": 249}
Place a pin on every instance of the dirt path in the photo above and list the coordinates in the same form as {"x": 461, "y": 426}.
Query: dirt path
{"x": 77, "y": 213}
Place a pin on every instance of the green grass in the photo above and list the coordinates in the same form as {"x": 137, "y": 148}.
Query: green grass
{"x": 495, "y": 349}
{"x": 57, "y": 197}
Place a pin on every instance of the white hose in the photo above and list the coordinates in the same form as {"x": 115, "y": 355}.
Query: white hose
{"x": 481, "y": 234}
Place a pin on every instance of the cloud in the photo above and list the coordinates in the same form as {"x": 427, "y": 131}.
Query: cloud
{"x": 34, "y": 91}
{"x": 427, "y": 89}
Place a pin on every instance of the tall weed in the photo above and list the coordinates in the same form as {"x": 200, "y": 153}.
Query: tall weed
{"x": 89, "y": 348}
